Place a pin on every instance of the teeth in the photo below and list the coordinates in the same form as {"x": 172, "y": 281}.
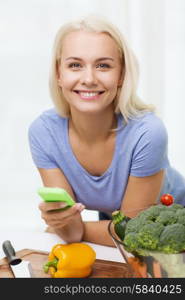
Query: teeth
{"x": 88, "y": 94}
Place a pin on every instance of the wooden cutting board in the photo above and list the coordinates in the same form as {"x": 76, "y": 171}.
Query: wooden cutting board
{"x": 101, "y": 268}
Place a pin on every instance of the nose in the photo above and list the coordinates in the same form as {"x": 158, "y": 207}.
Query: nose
{"x": 88, "y": 77}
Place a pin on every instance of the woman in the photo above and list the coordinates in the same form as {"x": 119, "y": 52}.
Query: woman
{"x": 105, "y": 147}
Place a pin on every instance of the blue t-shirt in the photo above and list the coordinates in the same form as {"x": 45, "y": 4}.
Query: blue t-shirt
{"x": 140, "y": 150}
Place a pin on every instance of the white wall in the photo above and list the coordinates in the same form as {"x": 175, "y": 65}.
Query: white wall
{"x": 174, "y": 104}
{"x": 27, "y": 30}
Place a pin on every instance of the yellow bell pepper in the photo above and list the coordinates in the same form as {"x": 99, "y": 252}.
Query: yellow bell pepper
{"x": 73, "y": 260}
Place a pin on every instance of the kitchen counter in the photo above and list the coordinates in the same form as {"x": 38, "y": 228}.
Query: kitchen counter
{"x": 43, "y": 241}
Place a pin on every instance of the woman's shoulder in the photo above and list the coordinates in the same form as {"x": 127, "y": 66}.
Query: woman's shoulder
{"x": 151, "y": 127}
{"x": 47, "y": 119}
{"x": 148, "y": 126}
{"x": 51, "y": 115}
{"x": 147, "y": 121}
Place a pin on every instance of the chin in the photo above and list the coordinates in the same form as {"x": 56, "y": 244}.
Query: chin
{"x": 89, "y": 109}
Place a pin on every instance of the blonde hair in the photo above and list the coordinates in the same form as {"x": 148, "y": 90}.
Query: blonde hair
{"x": 126, "y": 101}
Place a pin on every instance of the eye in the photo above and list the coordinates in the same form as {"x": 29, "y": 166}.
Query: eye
{"x": 103, "y": 66}
{"x": 74, "y": 65}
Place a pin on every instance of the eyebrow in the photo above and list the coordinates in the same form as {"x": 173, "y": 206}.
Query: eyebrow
{"x": 99, "y": 59}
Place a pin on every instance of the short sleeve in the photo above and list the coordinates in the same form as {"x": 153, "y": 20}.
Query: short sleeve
{"x": 150, "y": 152}
{"x": 40, "y": 143}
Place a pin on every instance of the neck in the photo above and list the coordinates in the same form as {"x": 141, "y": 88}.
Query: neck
{"x": 92, "y": 128}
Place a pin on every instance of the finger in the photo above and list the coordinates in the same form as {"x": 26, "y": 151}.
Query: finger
{"x": 57, "y": 205}
{"x": 51, "y": 206}
{"x": 51, "y": 217}
{"x": 61, "y": 217}
{"x": 58, "y": 215}
{"x": 78, "y": 207}
{"x": 55, "y": 220}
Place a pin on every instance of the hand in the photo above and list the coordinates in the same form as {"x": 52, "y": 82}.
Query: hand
{"x": 56, "y": 218}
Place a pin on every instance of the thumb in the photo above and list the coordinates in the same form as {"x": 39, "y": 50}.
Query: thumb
{"x": 79, "y": 207}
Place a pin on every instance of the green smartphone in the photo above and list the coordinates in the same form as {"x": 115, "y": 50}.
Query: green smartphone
{"x": 51, "y": 194}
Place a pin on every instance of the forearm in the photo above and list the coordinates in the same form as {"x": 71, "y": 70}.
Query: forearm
{"x": 97, "y": 232}
{"x": 93, "y": 232}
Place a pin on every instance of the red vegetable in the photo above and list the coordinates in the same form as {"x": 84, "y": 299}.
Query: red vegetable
{"x": 167, "y": 199}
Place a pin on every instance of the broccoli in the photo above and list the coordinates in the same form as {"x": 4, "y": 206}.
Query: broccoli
{"x": 152, "y": 213}
{"x": 175, "y": 207}
{"x": 149, "y": 234}
{"x": 131, "y": 244}
{"x": 167, "y": 218}
{"x": 158, "y": 232}
{"x": 147, "y": 216}
{"x": 135, "y": 224}
{"x": 131, "y": 241}
{"x": 158, "y": 228}
{"x": 172, "y": 239}
{"x": 180, "y": 214}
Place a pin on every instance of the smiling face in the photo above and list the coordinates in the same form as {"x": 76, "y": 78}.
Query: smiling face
{"x": 89, "y": 71}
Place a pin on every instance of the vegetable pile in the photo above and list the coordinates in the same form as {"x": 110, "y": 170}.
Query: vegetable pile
{"x": 159, "y": 228}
